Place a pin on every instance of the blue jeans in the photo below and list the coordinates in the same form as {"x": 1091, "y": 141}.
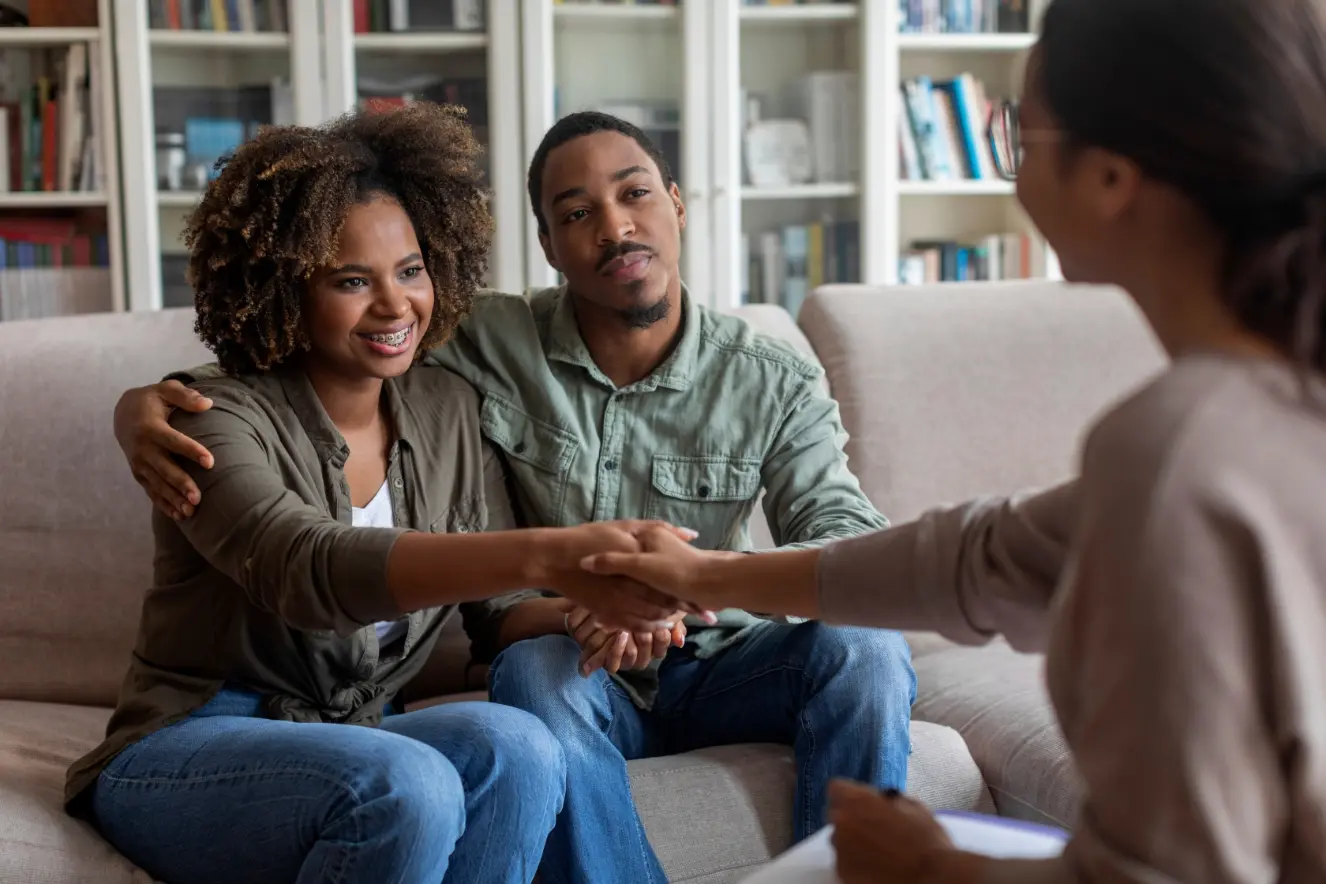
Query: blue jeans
{"x": 463, "y": 792}
{"x": 841, "y": 698}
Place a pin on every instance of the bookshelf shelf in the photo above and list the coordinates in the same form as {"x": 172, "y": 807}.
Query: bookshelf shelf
{"x": 438, "y": 41}
{"x": 826, "y": 190}
{"x": 223, "y": 40}
{"x": 800, "y": 14}
{"x": 965, "y": 42}
{"x": 176, "y": 199}
{"x": 955, "y": 188}
{"x": 39, "y": 200}
{"x": 38, "y": 37}
{"x": 612, "y": 12}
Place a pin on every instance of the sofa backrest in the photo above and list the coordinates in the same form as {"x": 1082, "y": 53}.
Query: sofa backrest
{"x": 75, "y": 534}
{"x": 957, "y": 390}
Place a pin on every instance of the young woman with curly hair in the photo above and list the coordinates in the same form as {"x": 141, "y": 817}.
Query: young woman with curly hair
{"x": 341, "y": 526}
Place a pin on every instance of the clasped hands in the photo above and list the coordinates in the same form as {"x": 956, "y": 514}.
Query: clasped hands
{"x": 626, "y": 601}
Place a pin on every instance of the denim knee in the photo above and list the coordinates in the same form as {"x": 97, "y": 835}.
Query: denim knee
{"x": 409, "y": 787}
{"x": 542, "y": 676}
{"x": 877, "y": 661}
{"x": 516, "y": 755}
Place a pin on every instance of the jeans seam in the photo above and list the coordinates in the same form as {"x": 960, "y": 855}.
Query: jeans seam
{"x": 796, "y": 665}
{"x": 190, "y": 781}
{"x": 640, "y": 840}
{"x": 805, "y": 777}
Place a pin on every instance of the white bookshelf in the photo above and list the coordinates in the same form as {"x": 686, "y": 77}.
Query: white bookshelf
{"x": 492, "y": 55}
{"x": 798, "y": 14}
{"x": 154, "y": 58}
{"x": 541, "y": 59}
{"x": 965, "y": 42}
{"x": 915, "y": 210}
{"x": 24, "y": 54}
{"x": 35, "y": 38}
{"x": 638, "y": 61}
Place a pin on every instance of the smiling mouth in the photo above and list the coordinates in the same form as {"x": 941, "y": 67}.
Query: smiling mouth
{"x": 394, "y": 339}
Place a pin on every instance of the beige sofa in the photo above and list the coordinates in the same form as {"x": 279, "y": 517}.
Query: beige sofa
{"x": 948, "y": 392}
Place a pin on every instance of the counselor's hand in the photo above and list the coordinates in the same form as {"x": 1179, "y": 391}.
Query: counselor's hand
{"x": 616, "y": 602}
{"x": 143, "y": 430}
{"x": 619, "y": 649}
{"x": 893, "y": 839}
{"x": 665, "y": 562}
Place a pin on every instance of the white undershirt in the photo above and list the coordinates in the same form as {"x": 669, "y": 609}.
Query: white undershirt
{"x": 377, "y": 514}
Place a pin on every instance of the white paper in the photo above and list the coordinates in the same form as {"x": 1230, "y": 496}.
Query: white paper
{"x": 812, "y": 861}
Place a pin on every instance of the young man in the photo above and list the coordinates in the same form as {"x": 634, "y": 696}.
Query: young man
{"x": 617, "y": 396}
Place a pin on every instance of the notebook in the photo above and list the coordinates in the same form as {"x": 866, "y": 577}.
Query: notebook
{"x": 812, "y": 861}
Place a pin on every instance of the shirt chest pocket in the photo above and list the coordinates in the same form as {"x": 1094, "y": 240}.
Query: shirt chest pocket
{"x": 538, "y": 455}
{"x": 712, "y": 495}
{"x": 468, "y": 516}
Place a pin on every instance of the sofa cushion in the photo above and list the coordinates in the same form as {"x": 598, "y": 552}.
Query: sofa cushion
{"x": 711, "y": 814}
{"x": 956, "y": 390}
{"x": 75, "y": 534}
{"x": 996, "y": 698}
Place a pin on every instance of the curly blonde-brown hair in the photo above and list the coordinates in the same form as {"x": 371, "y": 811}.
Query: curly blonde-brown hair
{"x": 273, "y": 217}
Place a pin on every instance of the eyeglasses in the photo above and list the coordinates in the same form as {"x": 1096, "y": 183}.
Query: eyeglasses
{"x": 1005, "y": 139}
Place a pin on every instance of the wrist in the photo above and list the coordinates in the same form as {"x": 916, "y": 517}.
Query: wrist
{"x": 712, "y": 575}
{"x": 540, "y": 565}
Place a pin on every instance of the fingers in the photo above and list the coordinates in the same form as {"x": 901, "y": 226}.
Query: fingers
{"x": 613, "y": 564}
{"x": 166, "y": 437}
{"x": 661, "y": 641}
{"x": 642, "y": 527}
{"x": 176, "y": 395}
{"x": 620, "y": 650}
{"x": 599, "y": 658}
{"x": 577, "y": 618}
{"x": 584, "y": 630}
{"x": 163, "y": 495}
{"x": 679, "y": 633}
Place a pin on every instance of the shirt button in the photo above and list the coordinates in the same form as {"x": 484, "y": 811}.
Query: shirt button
{"x": 704, "y": 490}
{"x": 397, "y": 483}
{"x": 519, "y": 448}
{"x": 610, "y": 465}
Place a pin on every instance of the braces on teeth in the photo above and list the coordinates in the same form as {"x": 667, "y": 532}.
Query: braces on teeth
{"x": 395, "y": 339}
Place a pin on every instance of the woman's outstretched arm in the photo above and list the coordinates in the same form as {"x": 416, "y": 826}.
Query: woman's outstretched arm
{"x": 968, "y": 572}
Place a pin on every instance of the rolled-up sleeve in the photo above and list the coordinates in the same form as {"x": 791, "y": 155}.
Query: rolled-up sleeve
{"x": 968, "y": 572}
{"x": 482, "y": 620}
{"x": 300, "y": 564}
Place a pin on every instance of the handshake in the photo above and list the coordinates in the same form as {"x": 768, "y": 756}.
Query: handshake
{"x": 626, "y": 588}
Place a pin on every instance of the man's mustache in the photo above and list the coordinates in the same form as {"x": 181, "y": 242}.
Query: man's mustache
{"x": 613, "y": 252}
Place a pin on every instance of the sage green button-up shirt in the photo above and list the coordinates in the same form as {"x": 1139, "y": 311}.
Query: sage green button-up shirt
{"x": 730, "y": 413}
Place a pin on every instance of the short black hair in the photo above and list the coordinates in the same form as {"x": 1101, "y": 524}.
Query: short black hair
{"x": 578, "y": 125}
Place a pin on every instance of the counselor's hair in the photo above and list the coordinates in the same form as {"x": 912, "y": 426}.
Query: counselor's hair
{"x": 1226, "y": 102}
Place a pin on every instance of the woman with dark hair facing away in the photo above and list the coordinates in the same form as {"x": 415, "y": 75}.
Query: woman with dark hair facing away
{"x": 352, "y": 504}
{"x": 1177, "y": 149}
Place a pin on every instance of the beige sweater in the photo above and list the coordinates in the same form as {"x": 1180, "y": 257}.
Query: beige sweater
{"x": 1178, "y": 589}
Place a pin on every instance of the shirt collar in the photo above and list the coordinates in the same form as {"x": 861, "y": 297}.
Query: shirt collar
{"x": 326, "y": 439}
{"x": 566, "y": 345}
